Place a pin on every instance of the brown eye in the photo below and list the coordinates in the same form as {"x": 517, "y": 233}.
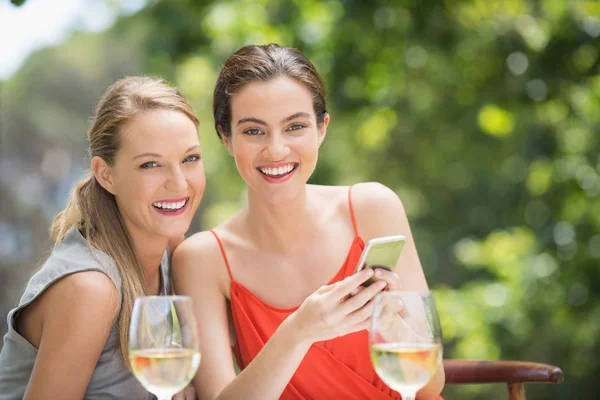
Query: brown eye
{"x": 296, "y": 127}
{"x": 252, "y": 132}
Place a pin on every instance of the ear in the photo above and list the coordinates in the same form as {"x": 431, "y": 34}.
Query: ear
{"x": 323, "y": 128}
{"x": 226, "y": 140}
{"x": 103, "y": 174}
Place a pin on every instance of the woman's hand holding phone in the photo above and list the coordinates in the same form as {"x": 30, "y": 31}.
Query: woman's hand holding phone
{"x": 382, "y": 254}
{"x": 391, "y": 279}
{"x": 388, "y": 276}
{"x": 398, "y": 314}
{"x": 331, "y": 312}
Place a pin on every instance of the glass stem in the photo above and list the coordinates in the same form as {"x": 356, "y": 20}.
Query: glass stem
{"x": 410, "y": 396}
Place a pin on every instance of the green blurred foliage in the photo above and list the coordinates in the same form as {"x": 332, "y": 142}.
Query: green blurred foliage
{"x": 481, "y": 114}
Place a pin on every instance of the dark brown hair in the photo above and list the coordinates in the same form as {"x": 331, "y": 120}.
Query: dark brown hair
{"x": 262, "y": 63}
{"x": 91, "y": 208}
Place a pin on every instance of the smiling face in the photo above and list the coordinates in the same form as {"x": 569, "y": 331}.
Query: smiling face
{"x": 157, "y": 177}
{"x": 274, "y": 137}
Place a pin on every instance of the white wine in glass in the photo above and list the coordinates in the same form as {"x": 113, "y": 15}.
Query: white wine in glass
{"x": 405, "y": 340}
{"x": 164, "y": 351}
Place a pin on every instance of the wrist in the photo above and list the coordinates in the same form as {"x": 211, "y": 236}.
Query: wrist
{"x": 295, "y": 333}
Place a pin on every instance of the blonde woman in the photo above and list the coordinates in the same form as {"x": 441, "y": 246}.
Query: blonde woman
{"x": 68, "y": 336}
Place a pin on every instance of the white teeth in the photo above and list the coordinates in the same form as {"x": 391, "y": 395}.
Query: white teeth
{"x": 170, "y": 206}
{"x": 277, "y": 171}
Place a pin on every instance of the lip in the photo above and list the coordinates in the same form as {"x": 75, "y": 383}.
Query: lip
{"x": 283, "y": 178}
{"x": 172, "y": 200}
{"x": 277, "y": 165}
{"x": 172, "y": 213}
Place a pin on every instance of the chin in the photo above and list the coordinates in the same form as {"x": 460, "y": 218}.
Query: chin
{"x": 175, "y": 230}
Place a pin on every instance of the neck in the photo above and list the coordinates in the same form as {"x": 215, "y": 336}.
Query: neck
{"x": 149, "y": 251}
{"x": 279, "y": 227}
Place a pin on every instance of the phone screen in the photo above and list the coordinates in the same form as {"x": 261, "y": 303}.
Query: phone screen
{"x": 381, "y": 252}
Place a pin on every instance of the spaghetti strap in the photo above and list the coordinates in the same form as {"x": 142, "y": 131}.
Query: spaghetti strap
{"x": 351, "y": 212}
{"x": 223, "y": 253}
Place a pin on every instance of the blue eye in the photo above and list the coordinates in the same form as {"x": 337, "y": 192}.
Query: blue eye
{"x": 192, "y": 158}
{"x": 149, "y": 164}
{"x": 252, "y": 132}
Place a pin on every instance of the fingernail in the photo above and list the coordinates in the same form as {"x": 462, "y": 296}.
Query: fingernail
{"x": 378, "y": 272}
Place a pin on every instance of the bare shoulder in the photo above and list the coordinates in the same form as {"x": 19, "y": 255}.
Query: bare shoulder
{"x": 203, "y": 247}
{"x": 378, "y": 209}
{"x": 74, "y": 296}
{"x": 201, "y": 244}
{"x": 79, "y": 312}
{"x": 198, "y": 262}
{"x": 372, "y": 196}
{"x": 198, "y": 252}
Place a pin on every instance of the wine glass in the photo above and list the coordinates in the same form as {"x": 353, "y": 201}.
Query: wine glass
{"x": 164, "y": 350}
{"x": 405, "y": 340}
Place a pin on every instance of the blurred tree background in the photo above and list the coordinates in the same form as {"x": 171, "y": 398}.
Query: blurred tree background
{"x": 483, "y": 115}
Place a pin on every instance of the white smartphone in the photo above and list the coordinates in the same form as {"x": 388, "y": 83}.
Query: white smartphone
{"x": 382, "y": 252}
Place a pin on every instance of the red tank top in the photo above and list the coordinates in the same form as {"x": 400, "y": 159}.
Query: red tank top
{"x": 339, "y": 368}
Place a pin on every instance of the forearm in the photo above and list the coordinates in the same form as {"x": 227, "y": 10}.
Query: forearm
{"x": 268, "y": 374}
{"x": 432, "y": 390}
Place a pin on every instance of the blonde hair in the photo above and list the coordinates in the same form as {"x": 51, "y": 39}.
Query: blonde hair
{"x": 92, "y": 209}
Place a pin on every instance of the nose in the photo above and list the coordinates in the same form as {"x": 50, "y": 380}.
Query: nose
{"x": 277, "y": 148}
{"x": 176, "y": 181}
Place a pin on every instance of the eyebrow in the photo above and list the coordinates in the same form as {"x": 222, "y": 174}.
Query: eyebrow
{"x": 294, "y": 116}
{"x": 251, "y": 119}
{"x": 283, "y": 121}
{"x": 156, "y": 155}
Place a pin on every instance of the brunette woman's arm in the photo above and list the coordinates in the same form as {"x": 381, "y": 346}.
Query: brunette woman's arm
{"x": 379, "y": 212}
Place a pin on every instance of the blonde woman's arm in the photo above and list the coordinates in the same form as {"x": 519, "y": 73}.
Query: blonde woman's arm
{"x": 69, "y": 323}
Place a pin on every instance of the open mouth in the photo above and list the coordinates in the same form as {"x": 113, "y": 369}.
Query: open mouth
{"x": 278, "y": 172}
{"x": 170, "y": 206}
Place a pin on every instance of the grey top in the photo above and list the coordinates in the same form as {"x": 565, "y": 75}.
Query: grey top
{"x": 111, "y": 378}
